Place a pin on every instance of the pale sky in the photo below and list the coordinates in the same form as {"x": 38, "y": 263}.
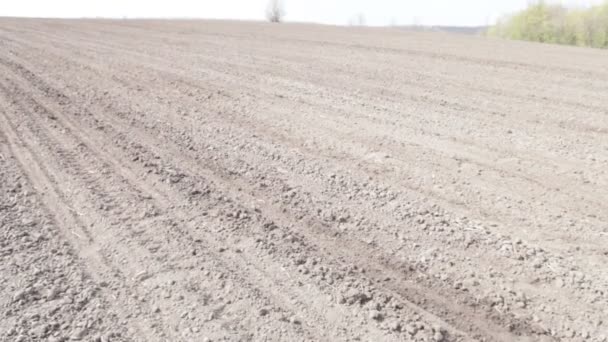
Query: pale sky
{"x": 338, "y": 12}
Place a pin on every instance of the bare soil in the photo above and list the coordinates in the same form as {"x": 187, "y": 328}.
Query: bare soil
{"x": 235, "y": 181}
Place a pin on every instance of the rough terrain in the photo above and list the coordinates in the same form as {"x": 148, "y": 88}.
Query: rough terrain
{"x": 235, "y": 181}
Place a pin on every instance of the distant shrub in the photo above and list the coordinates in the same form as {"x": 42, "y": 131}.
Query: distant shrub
{"x": 275, "y": 11}
{"x": 547, "y": 23}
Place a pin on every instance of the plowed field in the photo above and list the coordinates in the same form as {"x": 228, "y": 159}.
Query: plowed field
{"x": 236, "y": 181}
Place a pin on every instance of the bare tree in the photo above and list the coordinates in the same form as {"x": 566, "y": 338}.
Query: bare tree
{"x": 357, "y": 20}
{"x": 275, "y": 11}
{"x": 361, "y": 19}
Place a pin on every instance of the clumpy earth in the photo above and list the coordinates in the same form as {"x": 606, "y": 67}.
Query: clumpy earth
{"x": 235, "y": 181}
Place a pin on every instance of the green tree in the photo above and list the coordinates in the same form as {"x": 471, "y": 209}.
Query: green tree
{"x": 548, "y": 23}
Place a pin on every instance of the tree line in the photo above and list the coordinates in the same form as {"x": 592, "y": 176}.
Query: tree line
{"x": 552, "y": 23}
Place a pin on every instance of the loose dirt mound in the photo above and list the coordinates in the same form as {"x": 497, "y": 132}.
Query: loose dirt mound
{"x": 213, "y": 181}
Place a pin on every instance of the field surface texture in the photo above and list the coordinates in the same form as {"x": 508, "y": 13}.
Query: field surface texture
{"x": 224, "y": 181}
